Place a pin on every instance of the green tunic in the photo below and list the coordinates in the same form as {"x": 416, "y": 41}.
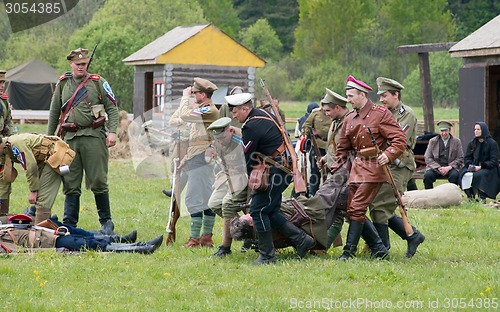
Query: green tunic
{"x": 6, "y": 129}
{"x": 88, "y": 143}
{"x": 321, "y": 123}
{"x": 384, "y": 204}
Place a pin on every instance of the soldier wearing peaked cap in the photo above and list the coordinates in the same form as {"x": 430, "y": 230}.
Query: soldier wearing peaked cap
{"x": 84, "y": 111}
{"x": 262, "y": 138}
{"x": 367, "y": 175}
{"x": 199, "y": 159}
{"x": 6, "y": 129}
{"x": 383, "y": 206}
{"x": 444, "y": 156}
{"x": 231, "y": 182}
{"x": 335, "y": 107}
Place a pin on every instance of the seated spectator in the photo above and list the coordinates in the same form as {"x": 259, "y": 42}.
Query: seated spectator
{"x": 481, "y": 174}
{"x": 444, "y": 156}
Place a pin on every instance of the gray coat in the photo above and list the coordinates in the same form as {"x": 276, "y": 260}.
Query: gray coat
{"x": 455, "y": 156}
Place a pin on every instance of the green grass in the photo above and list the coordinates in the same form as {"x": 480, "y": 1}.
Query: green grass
{"x": 459, "y": 259}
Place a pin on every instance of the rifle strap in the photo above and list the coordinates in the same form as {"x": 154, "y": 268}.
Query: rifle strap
{"x": 70, "y": 103}
{"x": 269, "y": 160}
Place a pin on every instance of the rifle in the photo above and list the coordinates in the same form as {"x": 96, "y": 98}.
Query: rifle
{"x": 298, "y": 182}
{"x": 60, "y": 231}
{"x": 390, "y": 179}
{"x": 91, "y": 57}
{"x": 317, "y": 154}
{"x": 174, "y": 213}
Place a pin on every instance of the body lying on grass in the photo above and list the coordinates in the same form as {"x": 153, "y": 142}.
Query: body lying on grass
{"x": 19, "y": 235}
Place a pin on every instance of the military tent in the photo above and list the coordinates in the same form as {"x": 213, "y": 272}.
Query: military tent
{"x": 30, "y": 85}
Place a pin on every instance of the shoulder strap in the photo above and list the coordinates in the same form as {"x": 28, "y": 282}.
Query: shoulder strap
{"x": 70, "y": 102}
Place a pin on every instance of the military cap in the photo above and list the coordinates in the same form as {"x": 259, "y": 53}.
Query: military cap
{"x": 352, "y": 83}
{"x": 203, "y": 85}
{"x": 78, "y": 56}
{"x": 20, "y": 219}
{"x": 2, "y": 75}
{"x": 219, "y": 126}
{"x": 386, "y": 84}
{"x": 238, "y": 99}
{"x": 334, "y": 98}
{"x": 444, "y": 125}
{"x": 236, "y": 90}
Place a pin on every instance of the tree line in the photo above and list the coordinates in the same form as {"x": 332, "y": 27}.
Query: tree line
{"x": 308, "y": 45}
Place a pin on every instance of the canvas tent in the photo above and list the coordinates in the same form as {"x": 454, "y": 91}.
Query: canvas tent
{"x": 30, "y": 85}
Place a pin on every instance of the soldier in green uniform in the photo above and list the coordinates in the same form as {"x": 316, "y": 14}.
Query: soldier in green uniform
{"x": 317, "y": 124}
{"x": 383, "y": 206}
{"x": 6, "y": 129}
{"x": 80, "y": 105}
{"x": 33, "y": 152}
{"x": 335, "y": 107}
{"x": 230, "y": 188}
{"x": 199, "y": 159}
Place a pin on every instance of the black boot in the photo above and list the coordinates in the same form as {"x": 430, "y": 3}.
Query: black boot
{"x": 372, "y": 238}
{"x": 126, "y": 239}
{"x": 104, "y": 212}
{"x": 383, "y": 232}
{"x": 141, "y": 247}
{"x": 30, "y": 211}
{"x": 396, "y": 224}
{"x": 167, "y": 192}
{"x": 352, "y": 240}
{"x": 301, "y": 241}
{"x": 71, "y": 209}
{"x": 266, "y": 248}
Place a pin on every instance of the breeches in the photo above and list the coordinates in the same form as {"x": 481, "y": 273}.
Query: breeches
{"x": 360, "y": 197}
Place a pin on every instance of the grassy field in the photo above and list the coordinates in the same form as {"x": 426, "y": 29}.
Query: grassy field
{"x": 457, "y": 268}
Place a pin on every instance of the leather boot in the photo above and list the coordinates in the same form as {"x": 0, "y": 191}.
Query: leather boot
{"x": 396, "y": 224}
{"x": 383, "y": 232}
{"x": 140, "y": 247}
{"x": 301, "y": 241}
{"x": 206, "y": 240}
{"x": 192, "y": 243}
{"x": 352, "y": 240}
{"x": 371, "y": 237}
{"x": 71, "y": 209}
{"x": 104, "y": 212}
{"x": 4, "y": 207}
{"x": 126, "y": 239}
{"x": 42, "y": 214}
{"x": 266, "y": 248}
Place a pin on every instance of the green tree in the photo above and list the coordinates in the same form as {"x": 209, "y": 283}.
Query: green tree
{"x": 472, "y": 14}
{"x": 444, "y": 80}
{"x": 122, "y": 27}
{"x": 261, "y": 39}
{"x": 282, "y": 15}
{"x": 223, "y": 15}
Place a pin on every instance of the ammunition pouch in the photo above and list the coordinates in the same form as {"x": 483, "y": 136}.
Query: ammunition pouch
{"x": 69, "y": 127}
{"x": 300, "y": 217}
{"x": 98, "y": 122}
{"x": 259, "y": 177}
{"x": 367, "y": 153}
{"x": 60, "y": 155}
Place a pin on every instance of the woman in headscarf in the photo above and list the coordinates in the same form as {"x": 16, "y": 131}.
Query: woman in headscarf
{"x": 481, "y": 161}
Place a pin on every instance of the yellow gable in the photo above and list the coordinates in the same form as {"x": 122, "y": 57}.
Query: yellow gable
{"x": 211, "y": 47}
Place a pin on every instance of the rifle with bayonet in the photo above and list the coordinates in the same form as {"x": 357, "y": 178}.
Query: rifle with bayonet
{"x": 390, "y": 180}
{"x": 175, "y": 201}
{"x": 298, "y": 182}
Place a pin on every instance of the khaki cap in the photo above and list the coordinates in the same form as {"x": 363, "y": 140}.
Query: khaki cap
{"x": 203, "y": 85}
{"x": 236, "y": 90}
{"x": 386, "y": 84}
{"x": 2, "y": 75}
{"x": 78, "y": 56}
{"x": 219, "y": 126}
{"x": 334, "y": 98}
{"x": 444, "y": 125}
